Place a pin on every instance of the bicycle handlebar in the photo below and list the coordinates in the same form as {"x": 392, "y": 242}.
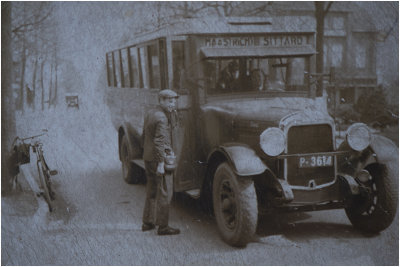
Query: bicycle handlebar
{"x": 26, "y": 138}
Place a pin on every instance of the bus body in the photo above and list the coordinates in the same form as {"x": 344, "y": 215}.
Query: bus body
{"x": 254, "y": 142}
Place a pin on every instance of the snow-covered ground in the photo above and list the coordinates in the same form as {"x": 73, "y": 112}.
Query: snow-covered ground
{"x": 98, "y": 217}
{"x": 78, "y": 140}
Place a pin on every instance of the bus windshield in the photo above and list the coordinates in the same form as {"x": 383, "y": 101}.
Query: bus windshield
{"x": 246, "y": 74}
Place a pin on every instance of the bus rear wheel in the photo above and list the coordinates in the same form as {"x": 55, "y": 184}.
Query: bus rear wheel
{"x": 131, "y": 173}
{"x": 235, "y": 206}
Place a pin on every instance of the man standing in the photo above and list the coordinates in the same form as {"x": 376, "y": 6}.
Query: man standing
{"x": 157, "y": 145}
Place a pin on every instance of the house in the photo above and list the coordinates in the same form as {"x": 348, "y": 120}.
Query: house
{"x": 352, "y": 44}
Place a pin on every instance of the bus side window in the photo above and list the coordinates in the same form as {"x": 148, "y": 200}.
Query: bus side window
{"x": 178, "y": 64}
{"x": 117, "y": 69}
{"x": 154, "y": 66}
{"x": 163, "y": 63}
{"x": 125, "y": 68}
{"x": 110, "y": 69}
{"x": 134, "y": 67}
{"x": 143, "y": 67}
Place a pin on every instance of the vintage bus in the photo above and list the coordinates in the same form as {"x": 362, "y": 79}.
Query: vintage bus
{"x": 249, "y": 134}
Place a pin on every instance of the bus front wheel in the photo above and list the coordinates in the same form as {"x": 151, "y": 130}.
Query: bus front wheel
{"x": 235, "y": 206}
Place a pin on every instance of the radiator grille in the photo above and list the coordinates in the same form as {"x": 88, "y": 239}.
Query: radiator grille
{"x": 309, "y": 139}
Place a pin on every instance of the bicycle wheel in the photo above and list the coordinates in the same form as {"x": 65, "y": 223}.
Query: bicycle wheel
{"x": 44, "y": 179}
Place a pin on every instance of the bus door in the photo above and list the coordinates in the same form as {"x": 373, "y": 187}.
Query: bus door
{"x": 183, "y": 135}
{"x": 183, "y": 143}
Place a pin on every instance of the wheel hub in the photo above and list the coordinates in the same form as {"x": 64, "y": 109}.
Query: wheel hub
{"x": 226, "y": 204}
{"x": 370, "y": 193}
{"x": 228, "y": 207}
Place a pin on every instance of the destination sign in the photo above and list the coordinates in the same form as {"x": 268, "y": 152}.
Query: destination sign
{"x": 251, "y": 41}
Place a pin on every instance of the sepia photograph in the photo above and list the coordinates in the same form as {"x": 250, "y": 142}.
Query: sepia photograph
{"x": 200, "y": 133}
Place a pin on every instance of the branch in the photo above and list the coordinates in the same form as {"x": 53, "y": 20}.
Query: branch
{"x": 391, "y": 29}
{"x": 199, "y": 8}
{"x": 25, "y": 27}
{"x": 216, "y": 6}
{"x": 328, "y": 7}
{"x": 257, "y": 10}
{"x": 190, "y": 11}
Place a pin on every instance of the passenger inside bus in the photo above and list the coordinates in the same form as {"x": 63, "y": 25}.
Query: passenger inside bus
{"x": 229, "y": 77}
{"x": 254, "y": 75}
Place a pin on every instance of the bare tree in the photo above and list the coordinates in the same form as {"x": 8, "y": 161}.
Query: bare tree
{"x": 8, "y": 127}
{"x": 224, "y": 8}
{"x": 321, "y": 10}
{"x": 33, "y": 33}
{"x": 169, "y": 13}
{"x": 221, "y": 8}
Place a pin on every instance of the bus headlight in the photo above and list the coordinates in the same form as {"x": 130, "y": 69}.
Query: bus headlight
{"x": 272, "y": 141}
{"x": 358, "y": 136}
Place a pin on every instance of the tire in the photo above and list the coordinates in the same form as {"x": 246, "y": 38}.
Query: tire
{"x": 235, "y": 206}
{"x": 375, "y": 211}
{"x": 131, "y": 173}
{"x": 44, "y": 181}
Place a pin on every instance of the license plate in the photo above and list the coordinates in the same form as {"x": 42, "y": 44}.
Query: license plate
{"x": 315, "y": 161}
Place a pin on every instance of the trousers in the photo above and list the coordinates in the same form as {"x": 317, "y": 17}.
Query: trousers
{"x": 158, "y": 196}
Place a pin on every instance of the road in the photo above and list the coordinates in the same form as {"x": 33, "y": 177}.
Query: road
{"x": 97, "y": 221}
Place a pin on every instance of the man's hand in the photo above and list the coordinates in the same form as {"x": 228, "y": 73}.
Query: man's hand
{"x": 160, "y": 169}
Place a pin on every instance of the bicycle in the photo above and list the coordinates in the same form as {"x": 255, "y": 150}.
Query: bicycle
{"x": 21, "y": 150}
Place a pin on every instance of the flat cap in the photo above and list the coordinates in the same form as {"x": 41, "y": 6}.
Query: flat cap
{"x": 167, "y": 93}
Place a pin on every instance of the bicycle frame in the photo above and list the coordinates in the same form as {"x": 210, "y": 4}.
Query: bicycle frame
{"x": 23, "y": 151}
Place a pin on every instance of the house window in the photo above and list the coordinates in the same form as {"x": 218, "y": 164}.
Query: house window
{"x": 361, "y": 56}
{"x": 335, "y": 23}
{"x": 364, "y": 53}
{"x": 333, "y": 53}
{"x": 337, "y": 55}
{"x": 338, "y": 23}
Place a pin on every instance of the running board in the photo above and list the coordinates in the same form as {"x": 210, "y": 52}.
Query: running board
{"x": 194, "y": 193}
{"x": 138, "y": 162}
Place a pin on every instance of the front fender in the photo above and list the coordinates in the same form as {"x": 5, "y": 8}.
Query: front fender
{"x": 381, "y": 150}
{"x": 387, "y": 153}
{"x": 243, "y": 159}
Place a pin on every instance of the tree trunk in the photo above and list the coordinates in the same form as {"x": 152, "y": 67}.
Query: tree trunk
{"x": 320, "y": 16}
{"x": 34, "y": 83}
{"x": 41, "y": 82}
{"x": 8, "y": 128}
{"x": 54, "y": 101}
{"x": 22, "y": 81}
{"x": 50, "y": 85}
{"x": 55, "y": 88}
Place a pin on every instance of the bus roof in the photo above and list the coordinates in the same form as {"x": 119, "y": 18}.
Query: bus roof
{"x": 209, "y": 25}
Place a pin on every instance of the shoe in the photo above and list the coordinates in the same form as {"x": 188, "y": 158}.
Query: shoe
{"x": 167, "y": 231}
{"x": 148, "y": 226}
